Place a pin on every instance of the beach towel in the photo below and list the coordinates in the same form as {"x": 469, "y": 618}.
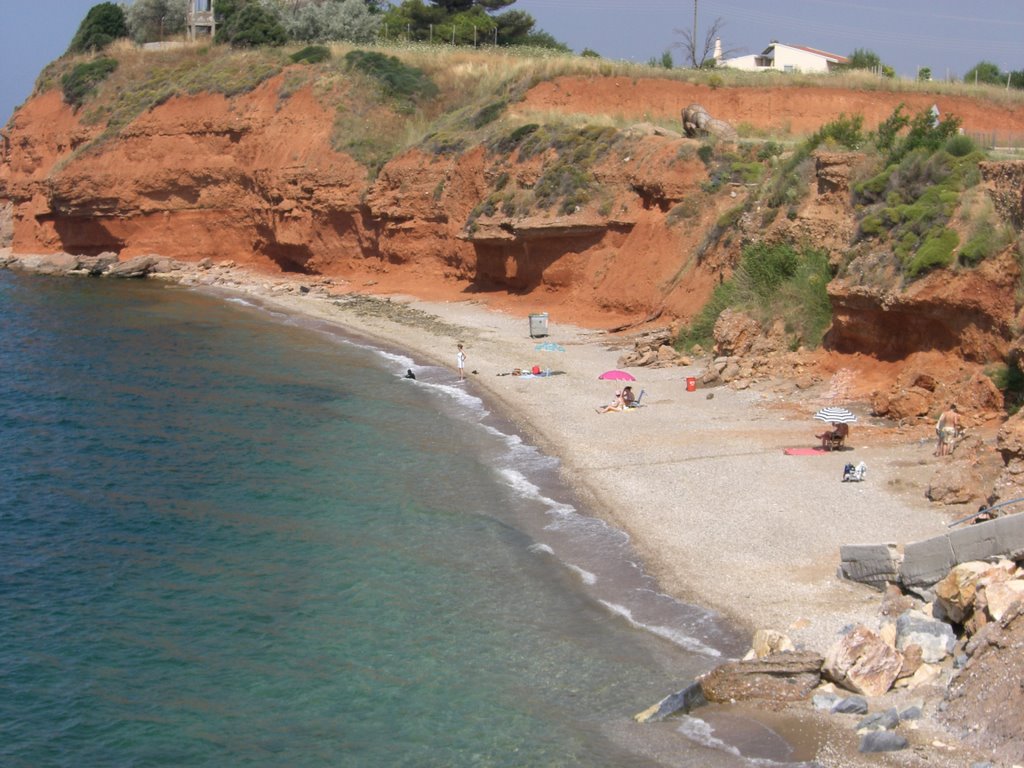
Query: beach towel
{"x": 803, "y": 451}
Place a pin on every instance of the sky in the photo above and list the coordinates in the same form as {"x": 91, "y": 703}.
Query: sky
{"x": 948, "y": 37}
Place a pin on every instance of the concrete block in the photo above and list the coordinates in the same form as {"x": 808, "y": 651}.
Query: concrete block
{"x": 926, "y": 562}
{"x": 1010, "y": 532}
{"x": 1002, "y": 537}
{"x": 975, "y": 542}
{"x": 873, "y": 564}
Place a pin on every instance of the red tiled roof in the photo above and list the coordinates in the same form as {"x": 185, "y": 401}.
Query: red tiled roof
{"x": 838, "y": 59}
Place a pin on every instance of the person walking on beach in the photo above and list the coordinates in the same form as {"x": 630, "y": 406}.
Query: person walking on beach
{"x": 460, "y": 361}
{"x": 946, "y": 429}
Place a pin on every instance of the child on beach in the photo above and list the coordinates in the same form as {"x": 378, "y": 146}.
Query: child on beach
{"x": 460, "y": 361}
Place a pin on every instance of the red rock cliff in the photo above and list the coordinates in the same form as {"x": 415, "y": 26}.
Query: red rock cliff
{"x": 254, "y": 179}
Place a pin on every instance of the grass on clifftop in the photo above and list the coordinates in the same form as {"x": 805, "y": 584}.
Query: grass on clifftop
{"x": 468, "y": 80}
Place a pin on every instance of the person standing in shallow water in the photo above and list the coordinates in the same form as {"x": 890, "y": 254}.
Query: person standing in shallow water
{"x": 460, "y": 361}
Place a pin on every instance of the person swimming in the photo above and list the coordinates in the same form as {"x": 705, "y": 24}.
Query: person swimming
{"x": 409, "y": 374}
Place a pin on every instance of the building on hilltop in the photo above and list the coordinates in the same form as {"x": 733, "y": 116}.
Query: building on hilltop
{"x": 200, "y": 20}
{"x": 779, "y": 57}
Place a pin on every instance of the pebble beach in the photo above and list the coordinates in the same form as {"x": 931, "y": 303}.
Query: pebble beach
{"x": 698, "y": 478}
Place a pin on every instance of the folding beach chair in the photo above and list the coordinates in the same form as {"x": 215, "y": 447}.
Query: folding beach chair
{"x": 636, "y": 403}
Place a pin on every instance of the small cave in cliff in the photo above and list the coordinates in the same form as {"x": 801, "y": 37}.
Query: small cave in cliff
{"x": 521, "y": 267}
{"x": 290, "y": 258}
{"x": 84, "y": 237}
{"x": 651, "y": 199}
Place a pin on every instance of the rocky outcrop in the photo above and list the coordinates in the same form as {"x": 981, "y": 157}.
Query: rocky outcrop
{"x": 654, "y": 349}
{"x": 697, "y": 123}
{"x": 779, "y": 677}
{"x": 876, "y": 315}
{"x": 863, "y": 662}
{"x": 985, "y": 699}
{"x": 962, "y": 657}
{"x": 1005, "y": 185}
{"x": 6, "y": 223}
{"x": 1010, "y": 444}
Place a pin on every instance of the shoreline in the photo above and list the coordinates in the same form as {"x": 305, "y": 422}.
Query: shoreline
{"x": 717, "y": 514}
{"x": 704, "y": 467}
{"x": 743, "y": 434}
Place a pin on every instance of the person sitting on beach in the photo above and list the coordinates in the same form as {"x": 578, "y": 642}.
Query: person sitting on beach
{"x": 619, "y": 404}
{"x": 628, "y": 398}
{"x": 833, "y": 438}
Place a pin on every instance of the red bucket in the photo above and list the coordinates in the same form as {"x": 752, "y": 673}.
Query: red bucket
{"x": 691, "y": 384}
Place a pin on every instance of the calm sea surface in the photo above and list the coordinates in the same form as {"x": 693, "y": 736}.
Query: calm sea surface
{"x": 228, "y": 538}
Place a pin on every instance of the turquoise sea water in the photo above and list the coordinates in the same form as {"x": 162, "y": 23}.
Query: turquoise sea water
{"x": 228, "y": 538}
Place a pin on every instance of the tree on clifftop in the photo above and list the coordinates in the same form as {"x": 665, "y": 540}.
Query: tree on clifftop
{"x": 353, "y": 20}
{"x": 102, "y": 25}
{"x": 247, "y": 23}
{"x": 862, "y": 58}
{"x": 150, "y": 20}
{"x": 985, "y": 72}
{"x": 465, "y": 22}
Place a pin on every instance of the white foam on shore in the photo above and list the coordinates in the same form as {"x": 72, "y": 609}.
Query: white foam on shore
{"x": 528, "y": 490}
{"x": 670, "y": 634}
{"x": 541, "y": 548}
{"x": 258, "y": 307}
{"x": 243, "y": 302}
{"x": 585, "y": 576}
{"x": 403, "y": 361}
{"x": 702, "y": 733}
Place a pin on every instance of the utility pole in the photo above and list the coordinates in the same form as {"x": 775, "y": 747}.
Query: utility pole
{"x": 693, "y": 37}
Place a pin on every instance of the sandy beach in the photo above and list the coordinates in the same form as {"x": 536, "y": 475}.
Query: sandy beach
{"x": 698, "y": 479}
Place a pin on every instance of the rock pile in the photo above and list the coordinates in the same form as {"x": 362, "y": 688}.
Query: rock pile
{"x": 654, "y": 349}
{"x": 744, "y": 352}
{"x": 962, "y": 654}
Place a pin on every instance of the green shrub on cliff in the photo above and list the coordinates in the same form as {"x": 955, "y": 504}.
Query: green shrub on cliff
{"x": 311, "y": 54}
{"x": 566, "y": 181}
{"x": 909, "y": 203}
{"x": 83, "y": 79}
{"x": 102, "y": 25}
{"x": 935, "y": 251}
{"x": 771, "y": 281}
{"x": 400, "y": 83}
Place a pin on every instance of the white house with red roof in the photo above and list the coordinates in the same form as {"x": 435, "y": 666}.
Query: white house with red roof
{"x": 780, "y": 57}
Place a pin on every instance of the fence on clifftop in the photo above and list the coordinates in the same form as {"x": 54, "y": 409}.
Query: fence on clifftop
{"x": 1000, "y": 141}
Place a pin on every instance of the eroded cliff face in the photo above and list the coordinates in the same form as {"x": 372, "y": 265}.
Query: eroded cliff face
{"x": 254, "y": 179}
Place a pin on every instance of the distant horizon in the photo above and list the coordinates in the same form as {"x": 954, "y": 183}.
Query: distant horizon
{"x": 906, "y": 36}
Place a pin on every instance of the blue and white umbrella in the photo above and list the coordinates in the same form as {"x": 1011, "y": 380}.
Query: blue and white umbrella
{"x": 835, "y": 415}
